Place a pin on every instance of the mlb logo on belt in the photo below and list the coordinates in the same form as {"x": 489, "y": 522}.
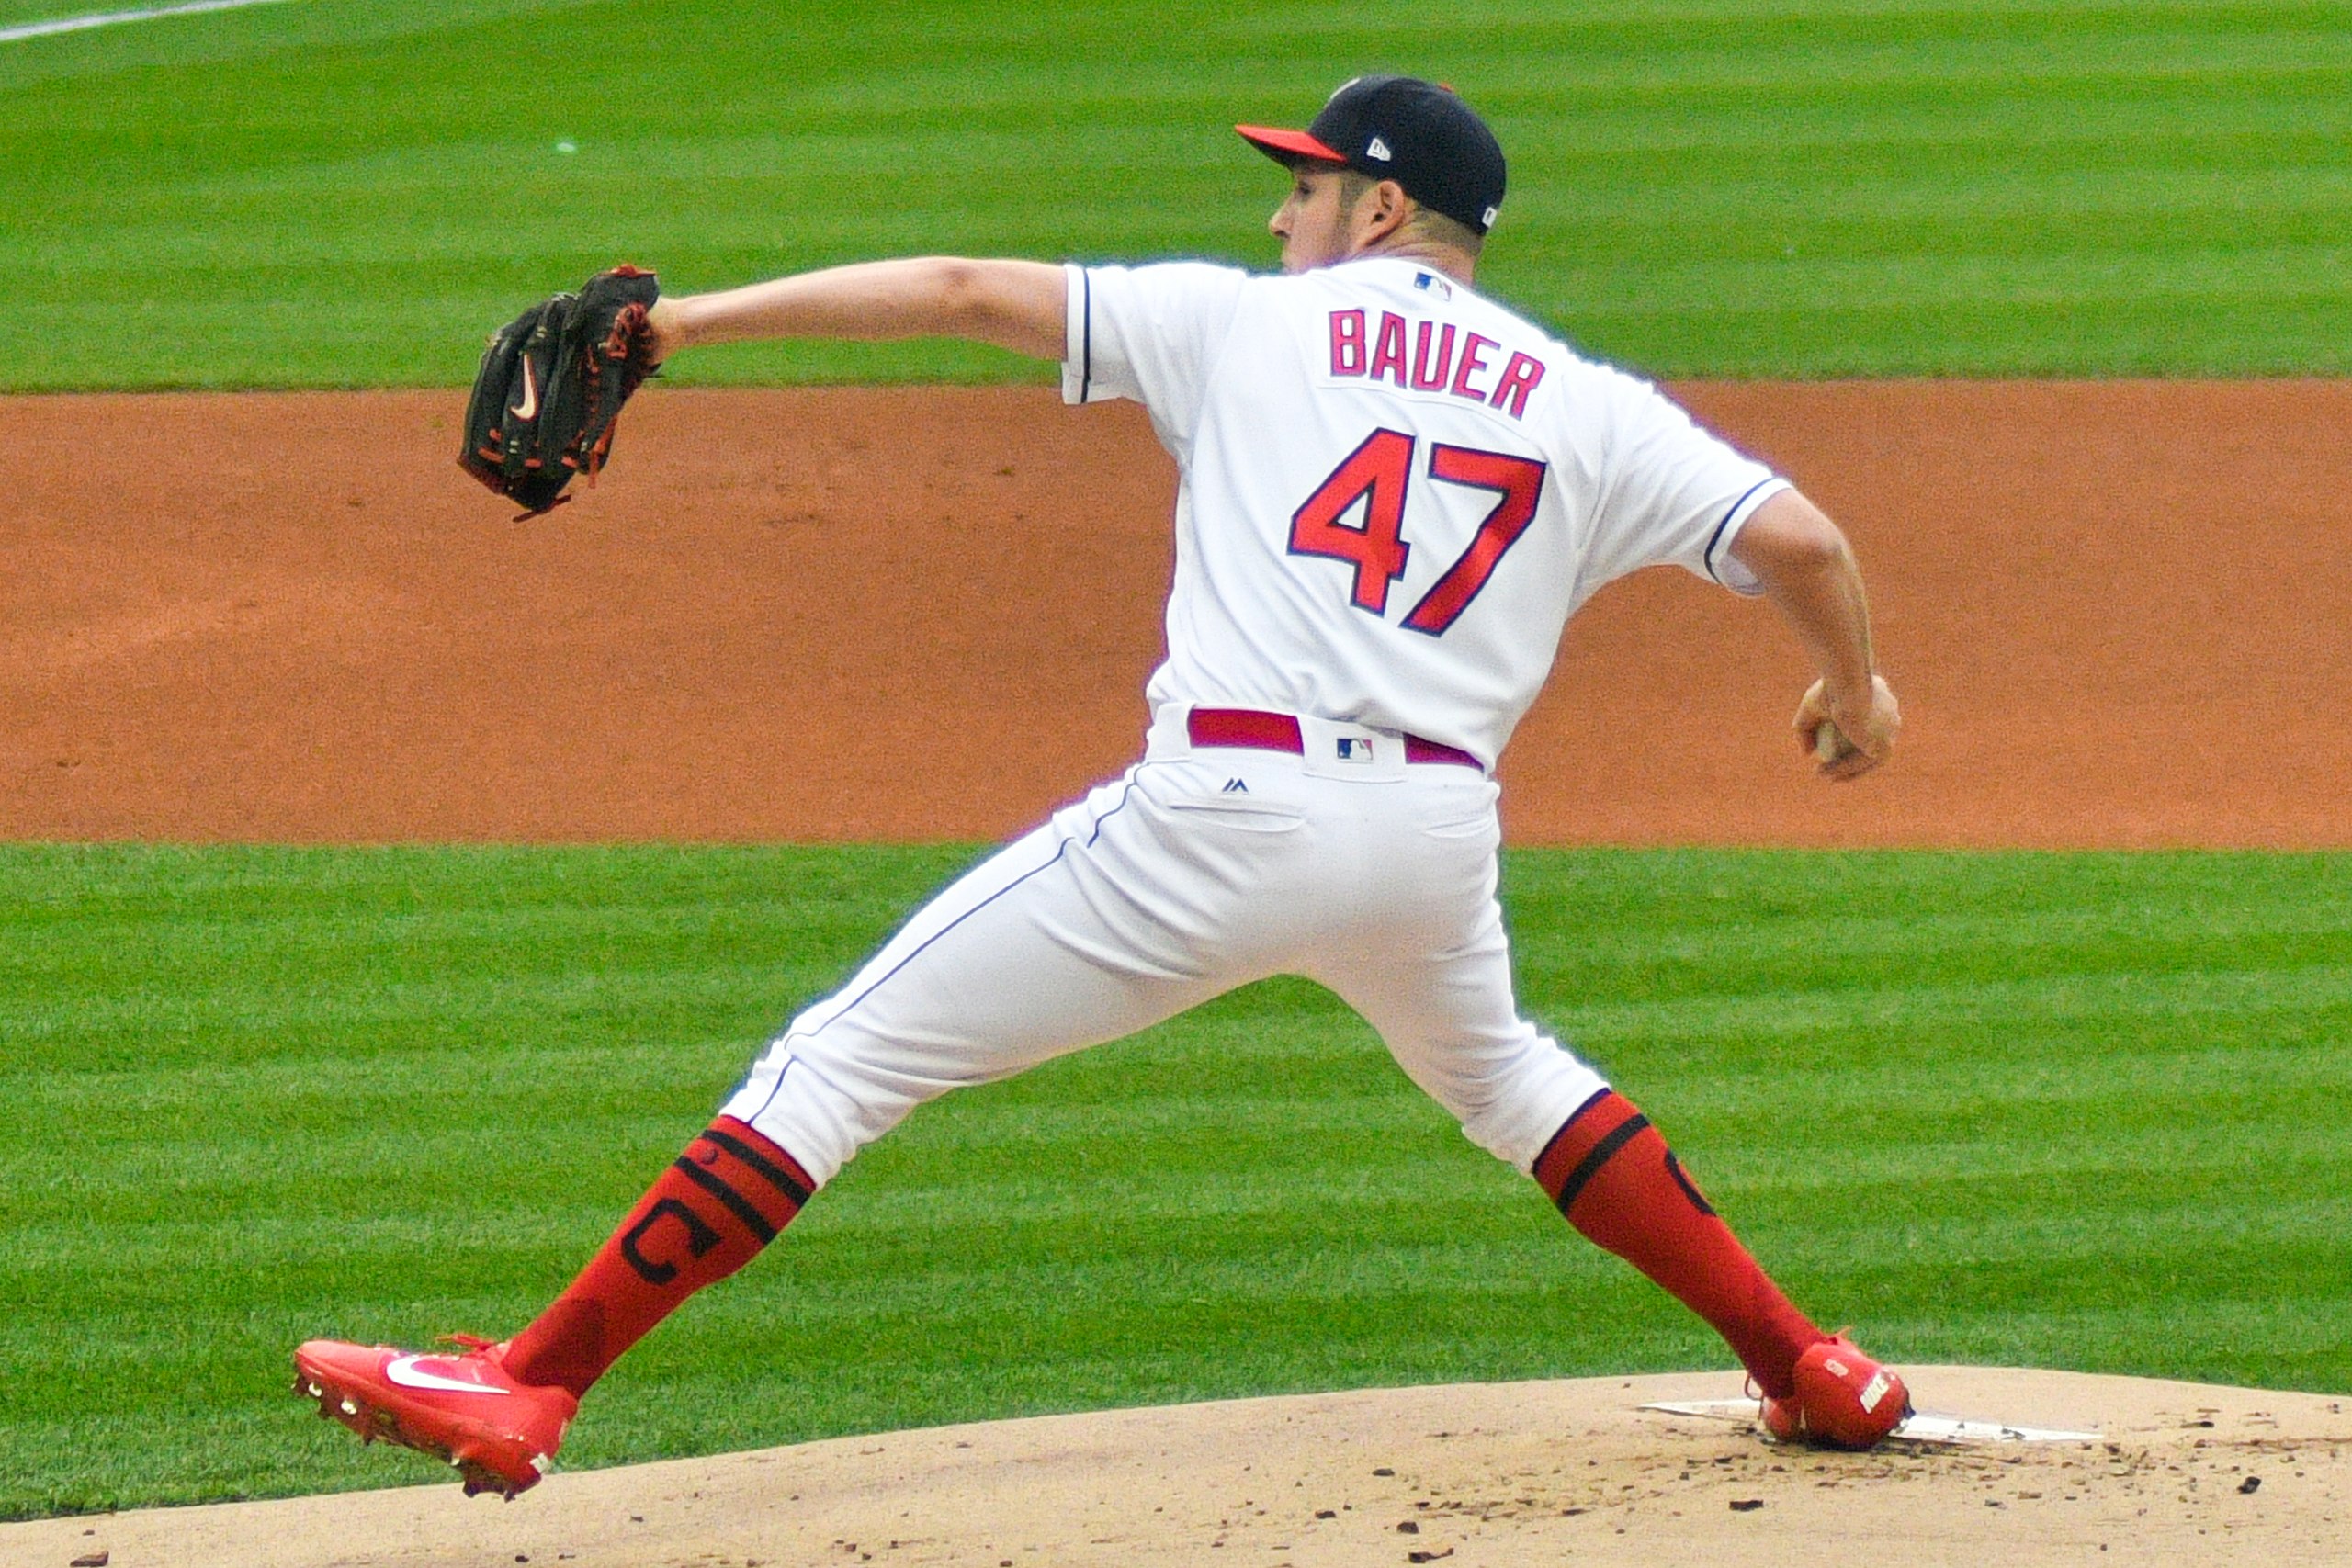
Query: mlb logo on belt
{"x": 1353, "y": 748}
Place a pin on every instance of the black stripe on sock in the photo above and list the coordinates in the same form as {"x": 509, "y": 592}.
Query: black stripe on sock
{"x": 775, "y": 1175}
{"x": 1603, "y": 1152}
{"x": 741, "y": 1206}
{"x": 1574, "y": 1117}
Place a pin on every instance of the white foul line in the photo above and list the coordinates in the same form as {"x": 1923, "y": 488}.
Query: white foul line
{"x": 108, "y": 18}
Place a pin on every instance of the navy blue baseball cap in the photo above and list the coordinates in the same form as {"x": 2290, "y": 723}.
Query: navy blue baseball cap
{"x": 1400, "y": 128}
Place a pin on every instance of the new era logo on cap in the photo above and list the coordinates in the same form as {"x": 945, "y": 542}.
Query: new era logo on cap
{"x": 1378, "y": 149}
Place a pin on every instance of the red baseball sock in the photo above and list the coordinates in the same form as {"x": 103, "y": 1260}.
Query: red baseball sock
{"x": 1613, "y": 1176}
{"x": 711, "y": 1213}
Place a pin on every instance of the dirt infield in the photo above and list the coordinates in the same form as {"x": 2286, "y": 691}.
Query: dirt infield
{"x": 1502, "y": 1475}
{"x": 2116, "y": 613}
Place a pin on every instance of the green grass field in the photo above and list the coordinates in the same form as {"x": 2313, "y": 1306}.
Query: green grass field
{"x": 2083, "y": 1112}
{"x": 2079, "y": 1112}
{"x": 353, "y": 192}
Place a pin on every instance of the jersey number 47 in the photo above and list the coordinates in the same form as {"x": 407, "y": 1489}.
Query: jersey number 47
{"x": 1378, "y": 473}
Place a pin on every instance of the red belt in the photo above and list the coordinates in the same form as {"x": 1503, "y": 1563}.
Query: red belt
{"x": 1279, "y": 732}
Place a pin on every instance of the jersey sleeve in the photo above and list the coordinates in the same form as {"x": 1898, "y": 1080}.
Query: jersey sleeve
{"x": 1150, "y": 333}
{"x": 1674, "y": 493}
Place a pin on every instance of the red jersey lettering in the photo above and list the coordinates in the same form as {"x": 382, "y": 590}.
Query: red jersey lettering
{"x": 1347, "y": 343}
{"x": 1473, "y": 359}
{"x": 1388, "y": 353}
{"x": 1430, "y": 376}
{"x": 1519, "y": 377}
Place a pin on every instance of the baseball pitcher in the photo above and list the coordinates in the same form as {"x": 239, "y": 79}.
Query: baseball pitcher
{"x": 1394, "y": 494}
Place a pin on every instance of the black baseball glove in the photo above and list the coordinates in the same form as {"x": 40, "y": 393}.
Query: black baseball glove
{"x": 551, "y": 383}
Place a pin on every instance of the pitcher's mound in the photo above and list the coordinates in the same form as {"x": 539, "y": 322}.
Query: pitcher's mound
{"x": 1488, "y": 1474}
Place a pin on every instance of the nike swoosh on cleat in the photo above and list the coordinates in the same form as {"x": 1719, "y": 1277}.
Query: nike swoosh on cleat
{"x": 403, "y": 1370}
{"x": 530, "y": 407}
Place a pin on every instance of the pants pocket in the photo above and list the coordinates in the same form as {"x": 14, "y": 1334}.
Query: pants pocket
{"x": 1477, "y": 824}
{"x": 1242, "y": 816}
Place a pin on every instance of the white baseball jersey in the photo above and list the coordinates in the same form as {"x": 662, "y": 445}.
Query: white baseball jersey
{"x": 1395, "y": 492}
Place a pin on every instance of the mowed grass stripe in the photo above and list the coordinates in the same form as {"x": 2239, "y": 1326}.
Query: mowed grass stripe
{"x": 1750, "y": 189}
{"x": 2073, "y": 1111}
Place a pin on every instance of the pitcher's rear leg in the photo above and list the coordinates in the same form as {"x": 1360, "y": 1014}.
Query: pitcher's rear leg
{"x": 1611, "y": 1175}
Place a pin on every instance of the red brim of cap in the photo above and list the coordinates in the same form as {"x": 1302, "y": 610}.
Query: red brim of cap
{"x": 1288, "y": 145}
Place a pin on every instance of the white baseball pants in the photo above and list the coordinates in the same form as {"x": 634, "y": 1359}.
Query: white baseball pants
{"x": 1199, "y": 871}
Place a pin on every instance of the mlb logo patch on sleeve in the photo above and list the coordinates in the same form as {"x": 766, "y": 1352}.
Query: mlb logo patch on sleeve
{"x": 1353, "y": 748}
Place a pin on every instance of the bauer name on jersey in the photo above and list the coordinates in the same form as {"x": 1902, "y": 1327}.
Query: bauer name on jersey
{"x": 1451, "y": 483}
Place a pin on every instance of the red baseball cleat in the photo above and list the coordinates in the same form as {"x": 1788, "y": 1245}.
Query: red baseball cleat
{"x": 499, "y": 1434}
{"x": 1844, "y": 1399}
